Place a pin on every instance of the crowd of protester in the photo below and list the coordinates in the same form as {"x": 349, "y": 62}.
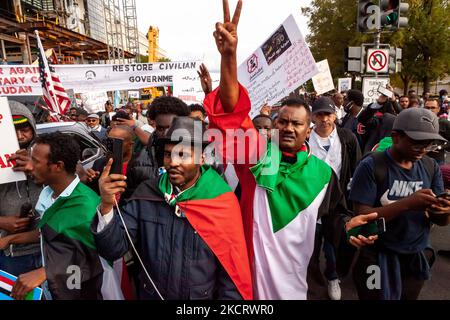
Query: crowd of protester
{"x": 195, "y": 223}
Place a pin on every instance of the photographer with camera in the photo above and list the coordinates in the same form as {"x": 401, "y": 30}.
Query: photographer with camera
{"x": 19, "y": 239}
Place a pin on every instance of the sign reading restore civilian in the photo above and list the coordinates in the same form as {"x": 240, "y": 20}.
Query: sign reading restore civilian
{"x": 278, "y": 67}
{"x": 8, "y": 145}
{"x": 24, "y": 79}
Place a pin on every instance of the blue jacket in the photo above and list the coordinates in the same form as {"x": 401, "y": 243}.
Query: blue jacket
{"x": 177, "y": 259}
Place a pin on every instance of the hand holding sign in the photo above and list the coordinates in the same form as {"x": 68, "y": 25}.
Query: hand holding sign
{"x": 27, "y": 282}
{"x": 22, "y": 161}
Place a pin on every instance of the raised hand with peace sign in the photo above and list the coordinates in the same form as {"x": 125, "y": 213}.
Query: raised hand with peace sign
{"x": 226, "y": 32}
{"x": 226, "y": 41}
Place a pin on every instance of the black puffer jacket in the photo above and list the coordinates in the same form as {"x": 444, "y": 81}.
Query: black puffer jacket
{"x": 178, "y": 260}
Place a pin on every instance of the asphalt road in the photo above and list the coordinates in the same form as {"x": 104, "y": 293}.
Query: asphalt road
{"x": 438, "y": 287}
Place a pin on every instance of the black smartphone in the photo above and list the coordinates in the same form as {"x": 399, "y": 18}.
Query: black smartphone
{"x": 371, "y": 228}
{"x": 26, "y": 210}
{"x": 445, "y": 194}
{"x": 115, "y": 151}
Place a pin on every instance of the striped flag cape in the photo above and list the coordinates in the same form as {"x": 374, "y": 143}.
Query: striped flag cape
{"x": 6, "y": 284}
{"x": 69, "y": 220}
{"x": 286, "y": 206}
{"x": 53, "y": 93}
{"x": 213, "y": 211}
{"x": 283, "y": 197}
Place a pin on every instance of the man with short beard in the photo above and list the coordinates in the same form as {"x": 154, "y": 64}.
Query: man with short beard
{"x": 187, "y": 223}
{"x": 285, "y": 189}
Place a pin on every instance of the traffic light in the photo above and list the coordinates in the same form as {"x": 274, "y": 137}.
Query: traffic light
{"x": 363, "y": 58}
{"x": 395, "y": 57}
{"x": 353, "y": 59}
{"x": 368, "y": 13}
{"x": 392, "y": 60}
{"x": 391, "y": 12}
{"x": 402, "y": 10}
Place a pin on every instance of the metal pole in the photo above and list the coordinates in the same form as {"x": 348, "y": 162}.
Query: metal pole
{"x": 377, "y": 45}
{"x": 3, "y": 49}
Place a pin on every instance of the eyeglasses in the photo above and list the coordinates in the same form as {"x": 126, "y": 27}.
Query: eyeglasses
{"x": 91, "y": 120}
{"x": 427, "y": 146}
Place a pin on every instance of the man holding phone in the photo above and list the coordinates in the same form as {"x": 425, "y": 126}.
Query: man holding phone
{"x": 190, "y": 235}
{"x": 407, "y": 198}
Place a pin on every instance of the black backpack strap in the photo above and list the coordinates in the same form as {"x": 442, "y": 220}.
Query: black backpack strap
{"x": 380, "y": 169}
{"x": 429, "y": 164}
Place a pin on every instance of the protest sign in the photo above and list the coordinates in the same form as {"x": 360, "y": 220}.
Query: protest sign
{"x": 24, "y": 79}
{"x": 188, "y": 87}
{"x": 20, "y": 80}
{"x": 344, "y": 84}
{"x": 278, "y": 67}
{"x": 323, "y": 81}
{"x": 8, "y": 145}
{"x": 370, "y": 88}
{"x": 133, "y": 94}
{"x": 94, "y": 101}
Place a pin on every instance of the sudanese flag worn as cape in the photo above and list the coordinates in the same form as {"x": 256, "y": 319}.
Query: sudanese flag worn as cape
{"x": 213, "y": 211}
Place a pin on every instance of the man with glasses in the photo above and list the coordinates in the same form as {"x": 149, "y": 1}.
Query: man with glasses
{"x": 409, "y": 196}
{"x": 93, "y": 124}
{"x": 444, "y": 131}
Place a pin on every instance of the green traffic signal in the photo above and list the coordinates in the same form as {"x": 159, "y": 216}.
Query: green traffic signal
{"x": 392, "y": 18}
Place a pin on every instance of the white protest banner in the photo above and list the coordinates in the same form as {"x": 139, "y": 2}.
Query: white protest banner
{"x": 344, "y": 84}
{"x": 323, "y": 81}
{"x": 109, "y": 77}
{"x": 8, "y": 145}
{"x": 24, "y": 79}
{"x": 278, "y": 67}
{"x": 370, "y": 88}
{"x": 94, "y": 101}
{"x": 189, "y": 89}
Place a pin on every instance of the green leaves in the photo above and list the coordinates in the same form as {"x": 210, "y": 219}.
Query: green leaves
{"x": 425, "y": 42}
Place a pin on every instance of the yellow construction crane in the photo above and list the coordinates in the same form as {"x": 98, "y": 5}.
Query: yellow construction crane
{"x": 152, "y": 36}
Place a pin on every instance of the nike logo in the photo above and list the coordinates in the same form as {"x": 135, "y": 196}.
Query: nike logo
{"x": 384, "y": 199}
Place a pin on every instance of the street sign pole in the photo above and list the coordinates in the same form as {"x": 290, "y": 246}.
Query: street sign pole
{"x": 377, "y": 44}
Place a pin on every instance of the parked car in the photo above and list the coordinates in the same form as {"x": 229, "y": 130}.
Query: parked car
{"x": 91, "y": 148}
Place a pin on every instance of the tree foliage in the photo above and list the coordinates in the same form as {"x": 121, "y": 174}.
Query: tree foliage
{"x": 425, "y": 43}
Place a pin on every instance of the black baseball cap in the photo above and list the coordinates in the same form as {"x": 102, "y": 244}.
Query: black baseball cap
{"x": 418, "y": 124}
{"x": 323, "y": 104}
{"x": 356, "y": 96}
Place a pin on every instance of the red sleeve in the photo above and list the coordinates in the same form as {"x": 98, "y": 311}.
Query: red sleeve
{"x": 247, "y": 144}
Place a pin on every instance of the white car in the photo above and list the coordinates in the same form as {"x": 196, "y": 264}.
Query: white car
{"x": 91, "y": 148}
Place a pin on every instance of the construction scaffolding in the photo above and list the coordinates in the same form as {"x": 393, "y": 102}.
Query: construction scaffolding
{"x": 131, "y": 29}
{"x": 114, "y": 33}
